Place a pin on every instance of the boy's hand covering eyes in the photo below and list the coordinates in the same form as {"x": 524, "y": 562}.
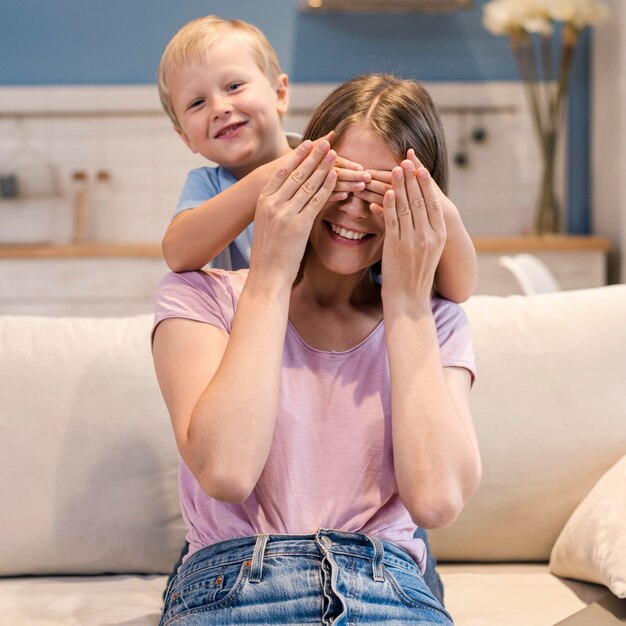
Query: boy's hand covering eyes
{"x": 351, "y": 178}
{"x": 377, "y": 187}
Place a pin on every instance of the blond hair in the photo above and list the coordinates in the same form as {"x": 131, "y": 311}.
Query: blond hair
{"x": 400, "y": 111}
{"x": 195, "y": 38}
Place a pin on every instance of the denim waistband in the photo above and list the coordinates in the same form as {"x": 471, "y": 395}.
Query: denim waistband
{"x": 257, "y": 548}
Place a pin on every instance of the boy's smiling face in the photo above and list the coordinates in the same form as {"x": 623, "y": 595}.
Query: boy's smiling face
{"x": 227, "y": 109}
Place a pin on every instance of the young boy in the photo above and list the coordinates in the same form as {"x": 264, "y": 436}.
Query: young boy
{"x": 221, "y": 85}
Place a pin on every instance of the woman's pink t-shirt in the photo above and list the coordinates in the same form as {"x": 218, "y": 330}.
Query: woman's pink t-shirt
{"x": 331, "y": 461}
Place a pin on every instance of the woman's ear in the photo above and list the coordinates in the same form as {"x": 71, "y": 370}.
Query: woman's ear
{"x": 282, "y": 94}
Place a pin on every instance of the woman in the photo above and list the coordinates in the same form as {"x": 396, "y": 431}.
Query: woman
{"x": 313, "y": 437}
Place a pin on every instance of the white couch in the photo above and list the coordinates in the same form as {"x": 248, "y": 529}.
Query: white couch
{"x": 90, "y": 521}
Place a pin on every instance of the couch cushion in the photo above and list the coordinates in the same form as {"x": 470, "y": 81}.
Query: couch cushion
{"x": 87, "y": 457}
{"x": 512, "y": 595}
{"x": 476, "y": 595}
{"x": 592, "y": 546}
{"x": 550, "y": 414}
{"x": 87, "y": 601}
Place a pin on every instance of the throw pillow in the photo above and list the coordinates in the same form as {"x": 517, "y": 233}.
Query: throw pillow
{"x": 592, "y": 544}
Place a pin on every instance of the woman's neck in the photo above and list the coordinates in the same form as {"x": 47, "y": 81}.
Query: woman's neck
{"x": 332, "y": 312}
{"x": 328, "y": 290}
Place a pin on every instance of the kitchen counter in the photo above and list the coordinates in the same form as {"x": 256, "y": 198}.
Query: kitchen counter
{"x": 103, "y": 279}
{"x": 501, "y": 245}
{"x": 68, "y": 251}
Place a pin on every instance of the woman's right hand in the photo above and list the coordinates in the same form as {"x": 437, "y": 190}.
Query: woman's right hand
{"x": 286, "y": 210}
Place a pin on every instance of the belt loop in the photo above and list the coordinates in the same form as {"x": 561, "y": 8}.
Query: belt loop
{"x": 256, "y": 569}
{"x": 377, "y": 563}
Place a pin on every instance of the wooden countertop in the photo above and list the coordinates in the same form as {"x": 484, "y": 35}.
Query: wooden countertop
{"x": 82, "y": 250}
{"x": 541, "y": 243}
{"x": 495, "y": 245}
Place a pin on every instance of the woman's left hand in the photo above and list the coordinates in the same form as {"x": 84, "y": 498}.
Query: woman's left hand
{"x": 415, "y": 235}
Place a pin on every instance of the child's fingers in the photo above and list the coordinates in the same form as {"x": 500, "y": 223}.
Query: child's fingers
{"x": 370, "y": 197}
{"x": 376, "y": 208}
{"x": 384, "y": 176}
{"x": 377, "y": 186}
{"x": 349, "y": 187}
{"x": 352, "y": 176}
{"x": 348, "y": 165}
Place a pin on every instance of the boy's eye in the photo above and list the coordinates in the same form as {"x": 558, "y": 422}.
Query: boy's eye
{"x": 195, "y": 103}
{"x": 234, "y": 86}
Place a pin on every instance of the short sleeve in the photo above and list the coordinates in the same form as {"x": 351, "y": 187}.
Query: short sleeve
{"x": 209, "y": 297}
{"x": 453, "y": 332}
{"x": 201, "y": 184}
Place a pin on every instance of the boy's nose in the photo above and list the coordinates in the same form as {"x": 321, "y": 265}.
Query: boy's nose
{"x": 220, "y": 107}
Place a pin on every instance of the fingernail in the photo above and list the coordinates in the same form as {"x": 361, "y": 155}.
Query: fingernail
{"x": 408, "y": 165}
{"x": 367, "y": 177}
{"x": 323, "y": 146}
{"x": 331, "y": 156}
{"x": 306, "y": 145}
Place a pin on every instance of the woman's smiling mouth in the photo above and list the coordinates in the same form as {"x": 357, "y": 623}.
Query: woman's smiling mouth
{"x": 345, "y": 234}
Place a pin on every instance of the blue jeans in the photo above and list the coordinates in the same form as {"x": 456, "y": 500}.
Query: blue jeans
{"x": 331, "y": 577}
{"x": 431, "y": 576}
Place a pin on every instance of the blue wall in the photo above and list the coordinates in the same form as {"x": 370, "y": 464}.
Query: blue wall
{"x": 121, "y": 41}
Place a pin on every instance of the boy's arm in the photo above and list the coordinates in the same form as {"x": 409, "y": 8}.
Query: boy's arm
{"x": 196, "y": 236}
{"x": 455, "y": 278}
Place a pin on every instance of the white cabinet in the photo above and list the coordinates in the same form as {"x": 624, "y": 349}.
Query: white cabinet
{"x": 94, "y": 283}
{"x": 576, "y": 262}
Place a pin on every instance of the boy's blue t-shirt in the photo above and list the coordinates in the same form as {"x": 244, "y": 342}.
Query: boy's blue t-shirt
{"x": 202, "y": 184}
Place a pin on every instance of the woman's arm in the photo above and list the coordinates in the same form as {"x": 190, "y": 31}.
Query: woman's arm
{"x": 436, "y": 458}
{"x": 222, "y": 391}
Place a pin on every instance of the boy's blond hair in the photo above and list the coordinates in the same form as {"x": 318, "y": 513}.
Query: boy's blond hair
{"x": 193, "y": 41}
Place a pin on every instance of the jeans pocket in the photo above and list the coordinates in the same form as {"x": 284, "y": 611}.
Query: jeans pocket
{"x": 208, "y": 589}
{"x": 412, "y": 591}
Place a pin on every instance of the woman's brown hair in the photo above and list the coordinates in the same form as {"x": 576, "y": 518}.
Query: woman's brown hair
{"x": 400, "y": 111}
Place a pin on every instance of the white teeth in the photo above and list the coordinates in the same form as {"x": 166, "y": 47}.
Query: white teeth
{"x": 347, "y": 234}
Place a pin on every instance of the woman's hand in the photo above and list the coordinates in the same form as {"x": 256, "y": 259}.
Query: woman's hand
{"x": 415, "y": 236}
{"x": 286, "y": 210}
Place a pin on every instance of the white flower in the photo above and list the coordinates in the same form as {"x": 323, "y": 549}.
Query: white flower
{"x": 500, "y": 17}
{"x": 540, "y": 25}
{"x": 578, "y": 13}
